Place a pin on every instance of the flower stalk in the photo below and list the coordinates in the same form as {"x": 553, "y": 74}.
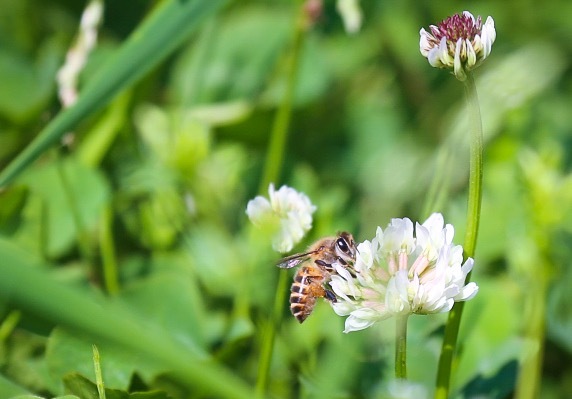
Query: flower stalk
{"x": 461, "y": 43}
{"x": 473, "y": 218}
{"x": 475, "y": 167}
{"x": 401, "y": 347}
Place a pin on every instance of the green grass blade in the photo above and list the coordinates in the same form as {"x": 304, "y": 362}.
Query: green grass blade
{"x": 165, "y": 29}
{"x": 35, "y": 292}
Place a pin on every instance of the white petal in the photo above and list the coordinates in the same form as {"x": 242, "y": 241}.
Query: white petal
{"x": 467, "y": 266}
{"x": 468, "y": 14}
{"x": 445, "y": 307}
{"x": 424, "y": 44}
{"x": 343, "y": 308}
{"x": 471, "y": 55}
{"x": 258, "y": 209}
{"x": 488, "y": 36}
{"x": 282, "y": 243}
{"x": 397, "y": 295}
{"x": 355, "y": 324}
{"x": 398, "y": 236}
{"x": 344, "y": 288}
{"x": 444, "y": 57}
{"x": 468, "y": 292}
{"x": 458, "y": 69}
{"x": 434, "y": 222}
{"x": 364, "y": 256}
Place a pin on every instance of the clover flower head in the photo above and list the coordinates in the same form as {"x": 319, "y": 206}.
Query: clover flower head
{"x": 287, "y": 209}
{"x": 403, "y": 270}
{"x": 460, "y": 43}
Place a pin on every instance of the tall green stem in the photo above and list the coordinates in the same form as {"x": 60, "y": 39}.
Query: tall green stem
{"x": 475, "y": 168}
{"x": 272, "y": 169}
{"x": 401, "y": 347}
{"x": 269, "y": 334}
{"x": 473, "y": 217}
{"x": 107, "y": 251}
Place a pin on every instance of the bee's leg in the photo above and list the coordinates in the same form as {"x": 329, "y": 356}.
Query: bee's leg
{"x": 327, "y": 266}
{"x": 330, "y": 296}
{"x": 347, "y": 266}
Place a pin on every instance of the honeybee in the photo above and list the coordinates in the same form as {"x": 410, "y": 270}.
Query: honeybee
{"x": 316, "y": 271}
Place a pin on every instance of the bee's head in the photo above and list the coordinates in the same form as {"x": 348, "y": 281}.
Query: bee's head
{"x": 346, "y": 247}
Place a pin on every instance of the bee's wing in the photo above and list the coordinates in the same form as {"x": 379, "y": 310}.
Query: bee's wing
{"x": 294, "y": 260}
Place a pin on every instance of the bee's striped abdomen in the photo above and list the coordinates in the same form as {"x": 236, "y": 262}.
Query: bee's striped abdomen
{"x": 305, "y": 289}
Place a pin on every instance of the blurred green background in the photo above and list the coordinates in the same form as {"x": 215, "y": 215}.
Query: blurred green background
{"x": 144, "y": 212}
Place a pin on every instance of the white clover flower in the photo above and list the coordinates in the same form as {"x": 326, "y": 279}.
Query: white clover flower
{"x": 400, "y": 273}
{"x": 290, "y": 210}
{"x": 459, "y": 42}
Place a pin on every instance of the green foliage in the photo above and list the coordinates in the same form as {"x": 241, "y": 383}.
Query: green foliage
{"x": 170, "y": 135}
{"x": 85, "y": 389}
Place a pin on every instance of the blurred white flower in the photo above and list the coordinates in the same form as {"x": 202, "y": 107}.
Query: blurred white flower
{"x": 404, "y": 389}
{"x": 399, "y": 273}
{"x": 77, "y": 55}
{"x": 351, "y": 14}
{"x": 460, "y": 43}
{"x": 290, "y": 210}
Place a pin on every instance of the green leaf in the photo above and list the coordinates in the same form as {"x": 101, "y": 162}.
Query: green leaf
{"x": 86, "y": 389}
{"x": 81, "y": 386}
{"x": 226, "y": 65}
{"x": 559, "y": 310}
{"x": 164, "y": 30}
{"x": 171, "y": 299}
{"x": 86, "y": 193}
{"x": 25, "y": 91}
{"x": 9, "y": 388}
{"x": 490, "y": 329}
{"x": 41, "y": 397}
{"x": 107, "y": 321}
{"x": 12, "y": 201}
{"x": 70, "y": 352}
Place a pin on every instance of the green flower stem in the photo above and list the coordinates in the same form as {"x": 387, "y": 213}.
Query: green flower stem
{"x": 272, "y": 170}
{"x": 269, "y": 333}
{"x": 107, "y": 251}
{"x": 475, "y": 168}
{"x": 473, "y": 217}
{"x": 401, "y": 347}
